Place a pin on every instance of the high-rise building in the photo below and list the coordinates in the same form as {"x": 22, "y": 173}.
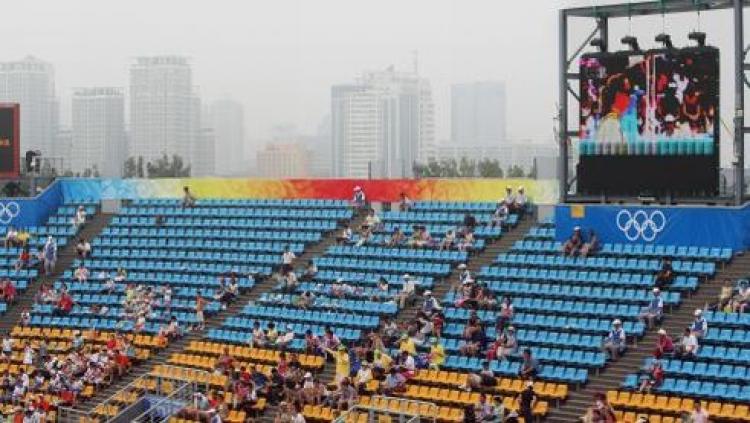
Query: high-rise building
{"x": 98, "y": 131}
{"x": 161, "y": 101}
{"x": 203, "y": 161}
{"x": 478, "y": 112}
{"x": 381, "y": 125}
{"x": 227, "y": 118}
{"x": 284, "y": 160}
{"x": 31, "y": 83}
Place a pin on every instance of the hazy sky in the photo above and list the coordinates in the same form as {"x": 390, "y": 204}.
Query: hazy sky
{"x": 280, "y": 57}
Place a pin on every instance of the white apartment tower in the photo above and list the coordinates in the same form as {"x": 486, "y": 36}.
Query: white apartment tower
{"x": 31, "y": 83}
{"x": 381, "y": 125}
{"x": 227, "y": 118}
{"x": 161, "y": 98}
{"x": 98, "y": 130}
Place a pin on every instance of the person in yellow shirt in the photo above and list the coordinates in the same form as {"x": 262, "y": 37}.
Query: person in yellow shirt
{"x": 341, "y": 357}
{"x": 437, "y": 354}
{"x": 407, "y": 345}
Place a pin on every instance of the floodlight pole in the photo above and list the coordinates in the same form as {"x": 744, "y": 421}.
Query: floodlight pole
{"x": 562, "y": 122}
{"x": 739, "y": 104}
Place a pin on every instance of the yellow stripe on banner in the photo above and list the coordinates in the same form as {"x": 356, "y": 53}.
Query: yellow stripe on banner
{"x": 577, "y": 211}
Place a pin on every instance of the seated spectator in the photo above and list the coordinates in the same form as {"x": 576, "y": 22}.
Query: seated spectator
{"x": 505, "y": 345}
{"x": 80, "y": 218}
{"x": 616, "y": 341}
{"x": 173, "y": 329}
{"x": 437, "y": 354}
{"x": 430, "y": 304}
{"x": 11, "y": 238}
{"x": 448, "y": 240}
{"x": 394, "y": 383}
{"x": 287, "y": 260}
{"x": 509, "y": 200}
{"x": 372, "y": 221}
{"x": 364, "y": 236}
{"x": 506, "y": 314}
{"x": 664, "y": 344}
{"x": 346, "y": 235}
{"x": 740, "y": 300}
{"x": 499, "y": 216}
{"x": 688, "y": 345}
{"x": 24, "y": 259}
{"x": 520, "y": 202}
{"x": 397, "y": 237}
{"x": 469, "y": 224}
{"x": 306, "y": 300}
{"x": 666, "y": 274}
{"x": 310, "y": 271}
{"x": 699, "y": 414}
{"x": 359, "y": 199}
{"x": 404, "y": 204}
{"x": 473, "y": 336}
{"x": 64, "y": 305}
{"x": 591, "y": 246}
{"x": 529, "y": 366}
{"x": 83, "y": 248}
{"x": 653, "y": 379}
{"x": 420, "y": 237}
{"x": 81, "y": 274}
{"x": 8, "y": 291}
{"x": 654, "y": 311}
{"x": 573, "y": 245}
{"x": 408, "y": 290}
{"x": 699, "y": 326}
{"x": 484, "y": 410}
{"x": 188, "y": 200}
{"x": 467, "y": 242}
{"x": 484, "y": 378}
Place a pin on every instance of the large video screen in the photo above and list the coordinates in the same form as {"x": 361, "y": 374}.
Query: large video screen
{"x": 651, "y": 116}
{"x": 9, "y": 141}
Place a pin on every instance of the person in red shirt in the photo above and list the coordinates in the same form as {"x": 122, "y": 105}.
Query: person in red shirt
{"x": 64, "y": 305}
{"x": 111, "y": 343}
{"x": 10, "y": 292}
{"x": 654, "y": 378}
{"x": 664, "y": 344}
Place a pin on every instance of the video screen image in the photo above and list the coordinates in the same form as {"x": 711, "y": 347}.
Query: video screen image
{"x": 659, "y": 102}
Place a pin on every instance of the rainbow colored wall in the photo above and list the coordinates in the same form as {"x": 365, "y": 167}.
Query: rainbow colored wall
{"x": 541, "y": 192}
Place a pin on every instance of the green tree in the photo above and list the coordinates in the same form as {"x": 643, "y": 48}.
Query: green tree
{"x": 487, "y": 168}
{"x": 139, "y": 168}
{"x": 166, "y": 167}
{"x": 467, "y": 168}
{"x": 130, "y": 168}
{"x": 515, "y": 171}
{"x": 449, "y": 168}
{"x": 532, "y": 171}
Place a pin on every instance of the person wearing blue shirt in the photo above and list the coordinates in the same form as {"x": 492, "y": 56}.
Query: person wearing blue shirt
{"x": 653, "y": 312}
{"x": 615, "y": 342}
{"x": 699, "y": 325}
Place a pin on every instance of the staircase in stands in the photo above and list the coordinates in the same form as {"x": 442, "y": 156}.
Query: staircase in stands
{"x": 65, "y": 257}
{"x": 215, "y": 321}
{"x": 674, "y": 323}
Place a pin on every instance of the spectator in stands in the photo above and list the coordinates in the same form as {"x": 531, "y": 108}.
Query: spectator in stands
{"x": 529, "y": 366}
{"x": 404, "y": 204}
{"x": 64, "y": 305}
{"x": 81, "y": 274}
{"x": 346, "y": 235}
{"x": 526, "y": 401}
{"x": 430, "y": 304}
{"x": 654, "y": 311}
{"x": 484, "y": 378}
{"x": 509, "y": 200}
{"x": 330, "y": 340}
{"x": 11, "y": 238}
{"x": 79, "y": 219}
{"x": 699, "y": 326}
{"x": 287, "y": 260}
{"x": 25, "y": 319}
{"x": 40, "y": 259}
{"x": 473, "y": 336}
{"x": 188, "y": 200}
{"x": 467, "y": 242}
{"x": 592, "y": 246}
{"x": 394, "y": 383}
{"x": 24, "y": 259}
{"x": 83, "y": 248}
{"x": 520, "y": 202}
{"x": 50, "y": 255}
{"x": 483, "y": 409}
{"x": 408, "y": 289}
{"x": 200, "y": 306}
{"x": 173, "y": 330}
{"x": 688, "y": 345}
{"x": 397, "y": 238}
{"x": 364, "y": 236}
{"x": 341, "y": 358}
{"x": 666, "y": 274}
{"x": 359, "y": 199}
{"x": 699, "y": 414}
{"x": 507, "y": 345}
{"x": 448, "y": 239}
{"x": 664, "y": 344}
{"x": 289, "y": 282}
{"x": 616, "y": 340}
{"x": 469, "y": 224}
{"x": 505, "y": 315}
{"x": 8, "y": 291}
{"x": 437, "y": 354}
{"x": 310, "y": 272}
{"x": 573, "y": 245}
{"x": 740, "y": 301}
{"x": 601, "y": 411}
{"x": 653, "y": 379}
{"x": 499, "y": 216}
{"x": 372, "y": 221}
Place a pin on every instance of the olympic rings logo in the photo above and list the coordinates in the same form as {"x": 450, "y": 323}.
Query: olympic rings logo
{"x": 641, "y": 224}
{"x": 8, "y": 211}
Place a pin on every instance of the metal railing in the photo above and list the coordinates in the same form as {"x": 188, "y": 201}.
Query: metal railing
{"x": 401, "y": 413}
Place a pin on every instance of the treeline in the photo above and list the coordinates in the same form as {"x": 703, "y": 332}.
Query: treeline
{"x": 465, "y": 168}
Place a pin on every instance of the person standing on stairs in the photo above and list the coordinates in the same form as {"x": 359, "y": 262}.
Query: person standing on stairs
{"x": 50, "y": 255}
{"x": 341, "y": 357}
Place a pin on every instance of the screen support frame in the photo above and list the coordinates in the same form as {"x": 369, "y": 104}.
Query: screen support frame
{"x": 601, "y": 16}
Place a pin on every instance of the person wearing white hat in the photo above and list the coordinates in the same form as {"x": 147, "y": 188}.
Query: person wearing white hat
{"x": 664, "y": 344}
{"x": 615, "y": 341}
{"x": 653, "y": 312}
{"x": 430, "y": 304}
{"x": 573, "y": 245}
{"x": 699, "y": 325}
{"x": 408, "y": 290}
{"x": 500, "y": 215}
{"x": 359, "y": 199}
{"x": 521, "y": 201}
{"x": 364, "y": 375}
{"x": 509, "y": 200}
{"x": 688, "y": 346}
